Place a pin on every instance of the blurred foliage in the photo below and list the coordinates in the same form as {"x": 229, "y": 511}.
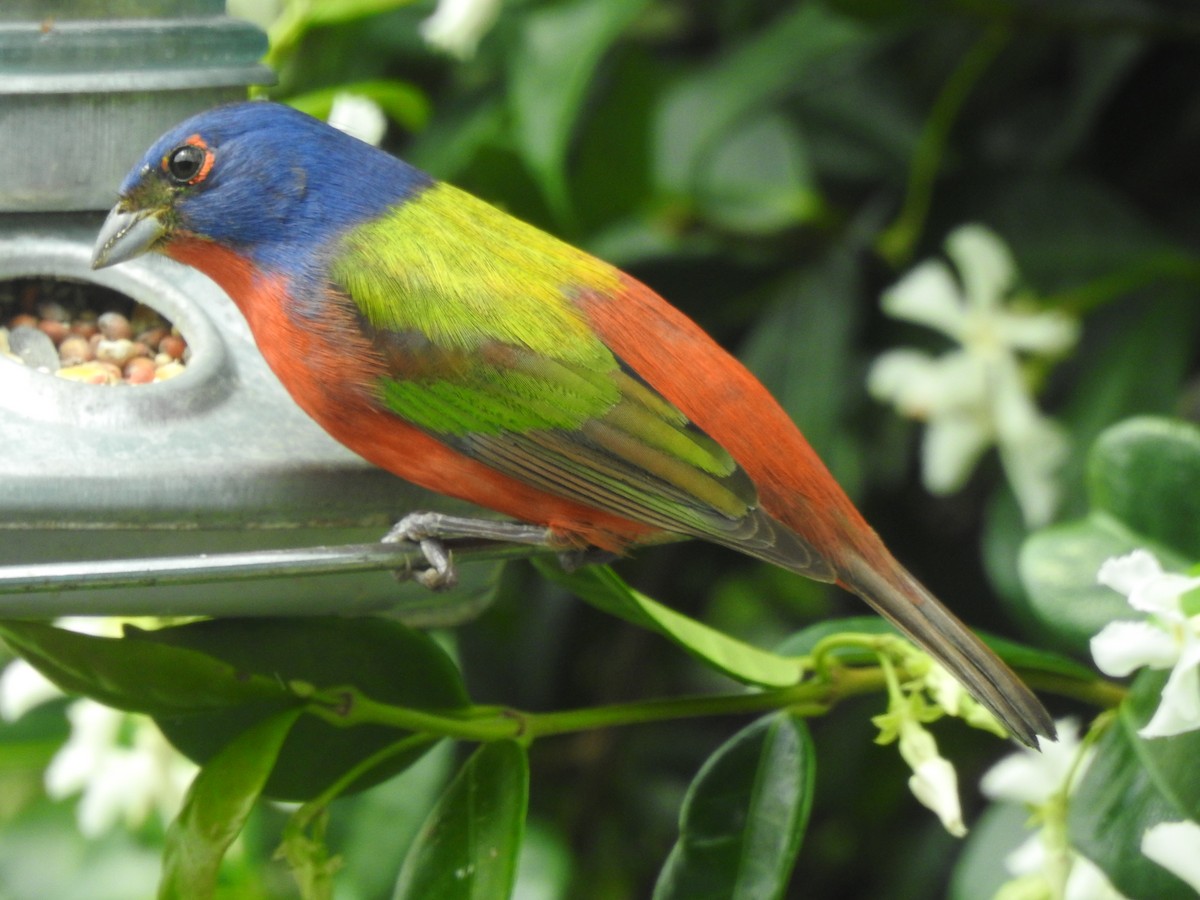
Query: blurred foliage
{"x": 769, "y": 167}
{"x": 1143, "y": 482}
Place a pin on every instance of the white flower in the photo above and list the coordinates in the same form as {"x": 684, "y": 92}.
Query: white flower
{"x": 122, "y": 765}
{"x": 1032, "y": 777}
{"x": 1176, "y": 847}
{"x": 359, "y": 117}
{"x": 1087, "y": 881}
{"x": 457, "y": 26}
{"x": 948, "y": 693}
{"x": 119, "y": 762}
{"x": 976, "y": 395}
{"x": 1038, "y": 879}
{"x": 1168, "y": 639}
{"x": 1046, "y": 865}
{"x": 933, "y": 782}
{"x": 22, "y": 687}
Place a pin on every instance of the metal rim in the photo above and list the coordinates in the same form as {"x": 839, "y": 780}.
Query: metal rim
{"x": 152, "y": 281}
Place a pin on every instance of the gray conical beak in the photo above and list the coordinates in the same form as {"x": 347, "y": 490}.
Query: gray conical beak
{"x": 126, "y": 234}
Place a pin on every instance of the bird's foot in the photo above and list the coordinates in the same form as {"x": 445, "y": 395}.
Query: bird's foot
{"x": 430, "y": 531}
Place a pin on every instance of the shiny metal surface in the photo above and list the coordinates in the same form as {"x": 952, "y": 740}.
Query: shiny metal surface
{"x": 86, "y": 86}
{"x": 216, "y": 460}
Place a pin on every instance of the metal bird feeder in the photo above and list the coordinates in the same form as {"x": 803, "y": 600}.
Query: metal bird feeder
{"x": 216, "y": 459}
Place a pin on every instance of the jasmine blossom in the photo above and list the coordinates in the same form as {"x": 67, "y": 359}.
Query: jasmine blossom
{"x": 978, "y": 394}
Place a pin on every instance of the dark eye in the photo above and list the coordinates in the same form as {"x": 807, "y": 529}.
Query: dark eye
{"x": 185, "y": 163}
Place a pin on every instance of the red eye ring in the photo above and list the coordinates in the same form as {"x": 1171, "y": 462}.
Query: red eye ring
{"x": 189, "y": 163}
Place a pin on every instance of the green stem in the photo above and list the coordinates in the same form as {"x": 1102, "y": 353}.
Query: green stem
{"x": 1159, "y": 267}
{"x": 345, "y": 707}
{"x": 303, "y": 817}
{"x": 806, "y": 700}
{"x": 890, "y": 679}
{"x": 307, "y": 856}
{"x": 1098, "y": 692}
{"x": 1055, "y": 812}
{"x": 823, "y": 656}
{"x": 898, "y": 240}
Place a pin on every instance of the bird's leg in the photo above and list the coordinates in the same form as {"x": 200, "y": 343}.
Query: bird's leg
{"x": 430, "y": 530}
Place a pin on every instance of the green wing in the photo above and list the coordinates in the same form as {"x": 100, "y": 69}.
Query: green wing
{"x": 597, "y": 436}
{"x": 485, "y": 349}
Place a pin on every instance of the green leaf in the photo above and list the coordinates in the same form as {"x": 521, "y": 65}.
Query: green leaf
{"x": 757, "y": 180}
{"x": 1034, "y": 659}
{"x": 404, "y": 103}
{"x": 552, "y": 67}
{"x": 1131, "y": 785}
{"x": 1144, "y": 484}
{"x": 456, "y": 139}
{"x": 1067, "y": 230}
{"x": 610, "y": 156}
{"x": 1114, "y": 381}
{"x": 381, "y": 824}
{"x": 134, "y": 675}
{"x": 861, "y": 126}
{"x": 1058, "y": 567}
{"x": 1145, "y": 472}
{"x": 703, "y": 109}
{"x": 604, "y": 589}
{"x": 1104, "y": 62}
{"x": 1170, "y": 761}
{"x": 980, "y": 870}
{"x": 744, "y": 816}
{"x": 875, "y": 9}
{"x": 469, "y": 846}
{"x": 216, "y": 808}
{"x": 333, "y": 12}
{"x": 385, "y": 660}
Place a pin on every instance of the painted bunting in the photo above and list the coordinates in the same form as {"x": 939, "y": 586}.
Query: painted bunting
{"x": 477, "y": 356}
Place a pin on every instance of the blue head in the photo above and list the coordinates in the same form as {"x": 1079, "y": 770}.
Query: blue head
{"x": 263, "y": 179}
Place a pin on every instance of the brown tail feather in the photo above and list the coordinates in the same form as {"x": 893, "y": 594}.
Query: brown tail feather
{"x": 898, "y": 596}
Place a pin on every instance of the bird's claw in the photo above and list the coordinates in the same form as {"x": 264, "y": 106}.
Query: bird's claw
{"x": 438, "y": 573}
{"x": 429, "y": 530}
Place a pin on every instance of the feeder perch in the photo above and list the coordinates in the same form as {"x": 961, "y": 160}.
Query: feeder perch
{"x": 216, "y": 459}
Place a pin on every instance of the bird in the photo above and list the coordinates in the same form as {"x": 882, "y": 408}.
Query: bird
{"x": 482, "y": 358}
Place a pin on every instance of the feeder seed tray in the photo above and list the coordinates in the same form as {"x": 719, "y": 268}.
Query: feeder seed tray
{"x": 84, "y": 332}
